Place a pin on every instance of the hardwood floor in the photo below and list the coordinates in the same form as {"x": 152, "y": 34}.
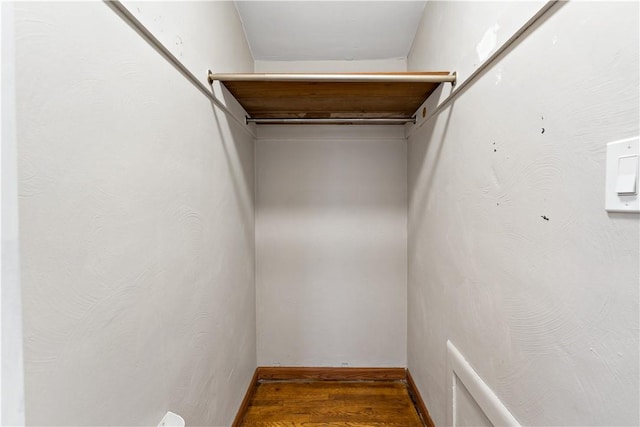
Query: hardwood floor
{"x": 331, "y": 403}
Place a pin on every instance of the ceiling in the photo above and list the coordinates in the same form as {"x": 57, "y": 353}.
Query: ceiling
{"x": 330, "y": 30}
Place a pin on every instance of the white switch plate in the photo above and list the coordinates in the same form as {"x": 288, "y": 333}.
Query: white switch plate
{"x": 613, "y": 201}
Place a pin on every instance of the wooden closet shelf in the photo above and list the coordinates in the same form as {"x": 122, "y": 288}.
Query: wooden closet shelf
{"x": 332, "y": 97}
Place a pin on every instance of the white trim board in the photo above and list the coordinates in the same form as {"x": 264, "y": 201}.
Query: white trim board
{"x": 486, "y": 399}
{"x": 11, "y": 353}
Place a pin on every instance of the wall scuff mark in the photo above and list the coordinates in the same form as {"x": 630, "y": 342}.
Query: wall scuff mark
{"x": 488, "y": 43}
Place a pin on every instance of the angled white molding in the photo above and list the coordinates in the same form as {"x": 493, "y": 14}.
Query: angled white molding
{"x": 493, "y": 408}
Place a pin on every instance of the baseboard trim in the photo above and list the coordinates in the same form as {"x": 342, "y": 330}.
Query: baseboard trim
{"x": 418, "y": 402}
{"x": 242, "y": 410}
{"x": 285, "y": 373}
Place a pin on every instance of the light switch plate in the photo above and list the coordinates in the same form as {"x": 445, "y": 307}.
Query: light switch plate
{"x": 615, "y": 202}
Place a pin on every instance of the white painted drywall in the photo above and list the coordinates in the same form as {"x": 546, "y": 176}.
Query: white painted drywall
{"x": 197, "y": 45}
{"x": 217, "y": 43}
{"x": 512, "y": 255}
{"x": 136, "y": 213}
{"x": 374, "y": 65}
{"x": 479, "y": 26}
{"x": 331, "y": 245}
{"x": 11, "y": 343}
{"x": 330, "y": 30}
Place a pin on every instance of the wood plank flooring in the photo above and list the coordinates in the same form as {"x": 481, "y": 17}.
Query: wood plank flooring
{"x": 331, "y": 403}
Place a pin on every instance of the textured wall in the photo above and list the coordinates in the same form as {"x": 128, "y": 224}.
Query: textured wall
{"x": 479, "y": 26}
{"x": 11, "y": 354}
{"x": 511, "y": 254}
{"x": 136, "y": 213}
{"x": 331, "y": 245}
{"x": 330, "y": 30}
{"x": 356, "y": 66}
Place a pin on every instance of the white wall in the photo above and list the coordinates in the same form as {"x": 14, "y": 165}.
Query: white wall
{"x": 12, "y": 368}
{"x": 330, "y": 30}
{"x": 136, "y": 213}
{"x": 203, "y": 35}
{"x": 480, "y": 26}
{"x": 331, "y": 245}
{"x": 545, "y": 310}
{"x": 356, "y": 66}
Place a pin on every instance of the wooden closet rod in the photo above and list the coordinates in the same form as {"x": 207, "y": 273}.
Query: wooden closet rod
{"x": 336, "y": 121}
{"x": 335, "y": 78}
